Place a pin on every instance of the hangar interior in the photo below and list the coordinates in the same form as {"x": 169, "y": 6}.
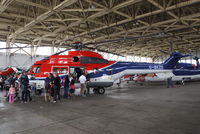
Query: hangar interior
{"x": 140, "y": 30}
{"x": 147, "y": 26}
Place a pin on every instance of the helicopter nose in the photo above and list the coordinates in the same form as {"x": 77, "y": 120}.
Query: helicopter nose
{"x": 31, "y": 77}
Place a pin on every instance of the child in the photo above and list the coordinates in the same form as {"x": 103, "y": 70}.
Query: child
{"x": 72, "y": 88}
{"x": 11, "y": 94}
{"x": 33, "y": 89}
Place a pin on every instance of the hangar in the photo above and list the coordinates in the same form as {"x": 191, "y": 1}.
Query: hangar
{"x": 140, "y": 30}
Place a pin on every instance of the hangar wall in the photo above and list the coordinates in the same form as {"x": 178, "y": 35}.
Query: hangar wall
{"x": 183, "y": 60}
{"x": 18, "y": 60}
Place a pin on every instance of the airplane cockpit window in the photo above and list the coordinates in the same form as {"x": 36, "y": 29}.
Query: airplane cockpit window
{"x": 93, "y": 60}
{"x": 75, "y": 59}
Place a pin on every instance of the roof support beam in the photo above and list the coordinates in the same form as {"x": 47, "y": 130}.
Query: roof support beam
{"x": 42, "y": 17}
{"x": 173, "y": 15}
{"x": 33, "y": 4}
{"x": 95, "y": 15}
{"x": 143, "y": 27}
{"x": 182, "y": 4}
{"x": 4, "y": 4}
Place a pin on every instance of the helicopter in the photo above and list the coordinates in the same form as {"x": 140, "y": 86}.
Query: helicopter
{"x": 181, "y": 72}
{"x": 103, "y": 73}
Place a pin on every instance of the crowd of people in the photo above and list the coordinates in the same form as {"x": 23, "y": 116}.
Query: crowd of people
{"x": 16, "y": 87}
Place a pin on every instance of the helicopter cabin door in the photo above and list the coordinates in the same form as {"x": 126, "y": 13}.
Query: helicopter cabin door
{"x": 76, "y": 72}
{"x": 60, "y": 69}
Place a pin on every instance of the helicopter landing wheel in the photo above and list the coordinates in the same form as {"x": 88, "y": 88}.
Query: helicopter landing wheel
{"x": 95, "y": 90}
{"x": 101, "y": 90}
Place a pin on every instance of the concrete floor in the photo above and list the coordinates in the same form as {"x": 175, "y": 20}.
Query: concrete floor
{"x": 133, "y": 109}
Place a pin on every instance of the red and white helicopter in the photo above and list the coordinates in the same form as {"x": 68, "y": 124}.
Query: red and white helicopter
{"x": 102, "y": 72}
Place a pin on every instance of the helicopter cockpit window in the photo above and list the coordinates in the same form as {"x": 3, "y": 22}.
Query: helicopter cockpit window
{"x": 96, "y": 71}
{"x": 109, "y": 71}
{"x": 63, "y": 70}
{"x": 56, "y": 70}
{"x": 93, "y": 60}
{"x": 75, "y": 59}
{"x": 36, "y": 70}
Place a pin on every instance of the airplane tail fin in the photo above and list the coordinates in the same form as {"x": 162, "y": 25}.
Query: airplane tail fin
{"x": 172, "y": 61}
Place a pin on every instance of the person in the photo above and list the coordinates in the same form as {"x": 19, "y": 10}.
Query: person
{"x": 66, "y": 86}
{"x": 57, "y": 86}
{"x": 29, "y": 93}
{"x": 183, "y": 81}
{"x": 72, "y": 88}
{"x": 82, "y": 80}
{"x": 24, "y": 82}
{"x": 11, "y": 94}
{"x": 6, "y": 85}
{"x": 47, "y": 87}
{"x": 51, "y": 91}
{"x": 1, "y": 82}
{"x": 12, "y": 79}
{"x": 17, "y": 95}
{"x": 169, "y": 82}
{"x": 78, "y": 72}
{"x": 33, "y": 89}
{"x": 87, "y": 75}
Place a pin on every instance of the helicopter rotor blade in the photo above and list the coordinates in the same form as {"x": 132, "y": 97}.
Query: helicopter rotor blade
{"x": 104, "y": 51}
{"x": 167, "y": 53}
{"x": 127, "y": 38}
{"x": 61, "y": 52}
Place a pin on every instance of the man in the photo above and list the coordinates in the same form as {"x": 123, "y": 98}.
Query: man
{"x": 66, "y": 86}
{"x": 82, "y": 80}
{"x": 47, "y": 87}
{"x": 12, "y": 80}
{"x": 87, "y": 75}
{"x": 57, "y": 86}
{"x": 169, "y": 82}
{"x": 1, "y": 82}
{"x": 24, "y": 82}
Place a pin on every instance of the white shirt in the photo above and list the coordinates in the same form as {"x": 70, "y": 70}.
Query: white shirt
{"x": 82, "y": 79}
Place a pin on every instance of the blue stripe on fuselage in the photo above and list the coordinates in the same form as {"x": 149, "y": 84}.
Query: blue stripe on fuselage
{"x": 122, "y": 66}
{"x": 182, "y": 72}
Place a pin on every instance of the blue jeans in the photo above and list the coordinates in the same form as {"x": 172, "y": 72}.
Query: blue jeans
{"x": 66, "y": 91}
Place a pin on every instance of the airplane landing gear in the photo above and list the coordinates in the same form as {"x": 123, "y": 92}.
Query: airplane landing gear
{"x": 99, "y": 90}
